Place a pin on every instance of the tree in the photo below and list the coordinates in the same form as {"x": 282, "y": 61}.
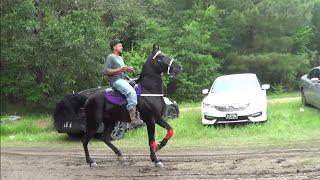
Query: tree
{"x": 50, "y": 48}
{"x": 265, "y": 25}
{"x": 199, "y": 47}
{"x": 46, "y": 56}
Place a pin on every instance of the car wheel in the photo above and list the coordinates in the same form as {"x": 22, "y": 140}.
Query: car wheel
{"x": 171, "y": 112}
{"x": 303, "y": 99}
{"x": 118, "y": 130}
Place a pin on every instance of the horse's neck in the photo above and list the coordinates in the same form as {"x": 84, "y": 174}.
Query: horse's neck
{"x": 152, "y": 84}
{"x": 151, "y": 81}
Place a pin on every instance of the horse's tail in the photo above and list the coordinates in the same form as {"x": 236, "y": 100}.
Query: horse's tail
{"x": 69, "y": 110}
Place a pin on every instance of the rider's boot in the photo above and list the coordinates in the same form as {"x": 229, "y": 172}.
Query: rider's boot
{"x": 133, "y": 116}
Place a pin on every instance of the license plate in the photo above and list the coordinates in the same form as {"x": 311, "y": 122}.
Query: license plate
{"x": 231, "y": 116}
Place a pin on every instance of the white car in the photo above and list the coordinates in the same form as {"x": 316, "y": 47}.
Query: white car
{"x": 233, "y": 99}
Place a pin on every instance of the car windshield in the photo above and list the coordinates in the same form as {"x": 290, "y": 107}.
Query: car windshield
{"x": 235, "y": 84}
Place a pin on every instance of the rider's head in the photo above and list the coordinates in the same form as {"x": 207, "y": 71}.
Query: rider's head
{"x": 116, "y": 46}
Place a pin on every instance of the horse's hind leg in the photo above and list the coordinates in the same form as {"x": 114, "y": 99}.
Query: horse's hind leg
{"x": 94, "y": 116}
{"x": 105, "y": 137}
{"x": 85, "y": 140}
{"x": 115, "y": 150}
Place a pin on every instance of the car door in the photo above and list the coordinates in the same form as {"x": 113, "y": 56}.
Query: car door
{"x": 308, "y": 86}
{"x": 316, "y": 89}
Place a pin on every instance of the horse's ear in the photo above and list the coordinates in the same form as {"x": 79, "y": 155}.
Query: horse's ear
{"x": 154, "y": 47}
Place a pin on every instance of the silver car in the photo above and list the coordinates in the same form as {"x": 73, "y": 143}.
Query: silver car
{"x": 310, "y": 87}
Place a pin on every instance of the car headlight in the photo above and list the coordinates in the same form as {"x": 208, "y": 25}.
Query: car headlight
{"x": 256, "y": 114}
{"x": 207, "y": 105}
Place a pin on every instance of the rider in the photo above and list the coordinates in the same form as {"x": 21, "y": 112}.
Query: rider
{"x": 116, "y": 71}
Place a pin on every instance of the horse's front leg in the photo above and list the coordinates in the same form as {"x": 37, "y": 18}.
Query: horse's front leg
{"x": 152, "y": 143}
{"x": 161, "y": 122}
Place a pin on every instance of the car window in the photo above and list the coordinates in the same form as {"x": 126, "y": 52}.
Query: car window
{"x": 235, "y": 84}
{"x": 311, "y": 74}
{"x": 317, "y": 74}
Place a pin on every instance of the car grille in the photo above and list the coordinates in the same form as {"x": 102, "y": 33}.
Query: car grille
{"x": 210, "y": 118}
{"x": 230, "y": 108}
{"x": 239, "y": 118}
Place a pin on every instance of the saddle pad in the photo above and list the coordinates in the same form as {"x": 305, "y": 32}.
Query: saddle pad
{"x": 115, "y": 98}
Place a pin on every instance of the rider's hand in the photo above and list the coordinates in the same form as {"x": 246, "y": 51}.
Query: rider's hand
{"x": 126, "y": 68}
{"x": 123, "y": 69}
{"x": 130, "y": 68}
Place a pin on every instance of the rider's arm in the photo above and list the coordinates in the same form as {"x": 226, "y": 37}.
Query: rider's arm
{"x": 111, "y": 72}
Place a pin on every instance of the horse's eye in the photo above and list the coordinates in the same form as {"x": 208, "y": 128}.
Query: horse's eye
{"x": 159, "y": 60}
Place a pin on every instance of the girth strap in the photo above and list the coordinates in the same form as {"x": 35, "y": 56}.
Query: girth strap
{"x": 155, "y": 95}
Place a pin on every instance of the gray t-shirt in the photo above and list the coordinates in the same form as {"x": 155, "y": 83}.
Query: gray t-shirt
{"x": 112, "y": 62}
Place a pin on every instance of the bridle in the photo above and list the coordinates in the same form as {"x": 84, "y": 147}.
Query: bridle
{"x": 169, "y": 66}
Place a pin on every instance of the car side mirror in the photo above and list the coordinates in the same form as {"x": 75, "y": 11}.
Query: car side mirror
{"x": 315, "y": 80}
{"x": 205, "y": 91}
{"x": 265, "y": 86}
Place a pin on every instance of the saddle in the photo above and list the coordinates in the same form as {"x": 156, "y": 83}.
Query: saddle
{"x": 115, "y": 97}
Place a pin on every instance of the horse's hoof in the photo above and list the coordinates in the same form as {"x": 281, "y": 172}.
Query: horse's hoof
{"x": 120, "y": 158}
{"x": 93, "y": 164}
{"x": 159, "y": 165}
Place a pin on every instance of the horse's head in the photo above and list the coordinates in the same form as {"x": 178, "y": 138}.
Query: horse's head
{"x": 163, "y": 63}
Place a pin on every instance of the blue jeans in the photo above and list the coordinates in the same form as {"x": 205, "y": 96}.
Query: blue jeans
{"x": 128, "y": 91}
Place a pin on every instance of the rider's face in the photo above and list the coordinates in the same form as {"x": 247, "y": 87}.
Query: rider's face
{"x": 118, "y": 48}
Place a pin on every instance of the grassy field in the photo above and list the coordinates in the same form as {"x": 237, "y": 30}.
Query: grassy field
{"x": 286, "y": 124}
{"x": 283, "y": 95}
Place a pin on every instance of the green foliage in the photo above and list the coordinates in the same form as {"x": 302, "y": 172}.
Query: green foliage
{"x": 136, "y": 60}
{"x": 278, "y": 89}
{"x": 264, "y": 26}
{"x": 316, "y": 26}
{"x": 288, "y": 68}
{"x": 202, "y": 40}
{"x": 50, "y": 48}
{"x": 45, "y": 55}
{"x": 301, "y": 40}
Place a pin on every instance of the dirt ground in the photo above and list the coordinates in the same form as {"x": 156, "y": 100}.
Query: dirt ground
{"x": 298, "y": 162}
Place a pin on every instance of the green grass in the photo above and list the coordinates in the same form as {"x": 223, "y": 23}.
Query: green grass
{"x": 189, "y": 104}
{"x": 286, "y": 124}
{"x": 33, "y": 128}
{"x": 284, "y": 95}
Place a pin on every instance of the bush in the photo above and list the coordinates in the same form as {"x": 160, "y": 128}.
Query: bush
{"x": 44, "y": 57}
{"x": 278, "y": 89}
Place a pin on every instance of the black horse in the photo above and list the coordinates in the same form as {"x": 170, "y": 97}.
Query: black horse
{"x": 151, "y": 107}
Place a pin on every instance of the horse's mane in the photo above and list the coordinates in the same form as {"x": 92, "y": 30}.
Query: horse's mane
{"x": 143, "y": 73}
